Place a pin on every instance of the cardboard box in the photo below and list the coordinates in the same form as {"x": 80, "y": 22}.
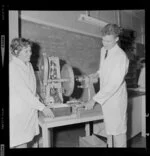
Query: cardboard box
{"x": 91, "y": 141}
{"x": 62, "y": 111}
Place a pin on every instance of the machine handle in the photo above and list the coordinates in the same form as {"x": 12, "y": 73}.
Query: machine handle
{"x": 58, "y": 80}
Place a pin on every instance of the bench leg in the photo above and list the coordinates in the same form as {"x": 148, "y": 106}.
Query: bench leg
{"x": 87, "y": 129}
{"x": 46, "y": 137}
{"x": 110, "y": 141}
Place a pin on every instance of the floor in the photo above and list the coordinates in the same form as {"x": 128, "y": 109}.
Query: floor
{"x": 137, "y": 142}
{"x": 68, "y": 136}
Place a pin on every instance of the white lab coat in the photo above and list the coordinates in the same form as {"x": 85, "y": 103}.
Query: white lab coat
{"x": 23, "y": 103}
{"x": 113, "y": 94}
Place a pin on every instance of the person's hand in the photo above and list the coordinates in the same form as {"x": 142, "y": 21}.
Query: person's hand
{"x": 94, "y": 77}
{"x": 89, "y": 105}
{"x": 48, "y": 112}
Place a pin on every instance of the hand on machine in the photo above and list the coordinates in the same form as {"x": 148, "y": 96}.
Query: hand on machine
{"x": 48, "y": 112}
{"x": 88, "y": 80}
{"x": 89, "y": 105}
{"x": 53, "y": 81}
{"x": 93, "y": 77}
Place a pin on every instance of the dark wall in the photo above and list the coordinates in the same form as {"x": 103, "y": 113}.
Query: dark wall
{"x": 82, "y": 51}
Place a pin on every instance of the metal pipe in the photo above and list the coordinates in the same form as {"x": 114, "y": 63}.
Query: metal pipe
{"x": 19, "y": 23}
{"x": 118, "y": 18}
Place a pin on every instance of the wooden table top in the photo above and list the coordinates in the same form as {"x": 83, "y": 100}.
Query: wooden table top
{"x": 84, "y": 116}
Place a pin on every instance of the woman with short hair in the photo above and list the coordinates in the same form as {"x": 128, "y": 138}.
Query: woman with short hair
{"x": 23, "y": 102}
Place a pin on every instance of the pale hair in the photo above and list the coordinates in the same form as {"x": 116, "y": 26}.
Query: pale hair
{"x": 111, "y": 29}
{"x": 18, "y": 44}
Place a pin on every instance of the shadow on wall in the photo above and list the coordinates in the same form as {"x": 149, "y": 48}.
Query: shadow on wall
{"x": 35, "y": 55}
{"x": 34, "y": 61}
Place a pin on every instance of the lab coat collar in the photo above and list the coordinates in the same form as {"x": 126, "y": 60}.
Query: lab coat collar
{"x": 20, "y": 63}
{"x": 113, "y": 48}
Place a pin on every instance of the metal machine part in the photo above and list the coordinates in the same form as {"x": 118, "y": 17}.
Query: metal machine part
{"x": 85, "y": 80}
{"x": 85, "y": 83}
{"x": 43, "y": 68}
{"x": 67, "y": 73}
{"x": 53, "y": 82}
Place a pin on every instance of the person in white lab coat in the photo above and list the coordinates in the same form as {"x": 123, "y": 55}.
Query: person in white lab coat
{"x": 23, "y": 102}
{"x": 112, "y": 95}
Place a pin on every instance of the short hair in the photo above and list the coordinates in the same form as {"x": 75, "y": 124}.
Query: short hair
{"x": 18, "y": 44}
{"x": 111, "y": 29}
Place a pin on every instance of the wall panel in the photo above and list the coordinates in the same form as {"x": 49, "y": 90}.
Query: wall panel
{"x": 82, "y": 51}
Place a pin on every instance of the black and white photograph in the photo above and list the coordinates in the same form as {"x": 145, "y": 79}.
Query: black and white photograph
{"x": 76, "y": 79}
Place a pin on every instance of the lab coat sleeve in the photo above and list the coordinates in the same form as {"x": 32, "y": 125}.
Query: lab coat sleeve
{"x": 113, "y": 79}
{"x": 23, "y": 91}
